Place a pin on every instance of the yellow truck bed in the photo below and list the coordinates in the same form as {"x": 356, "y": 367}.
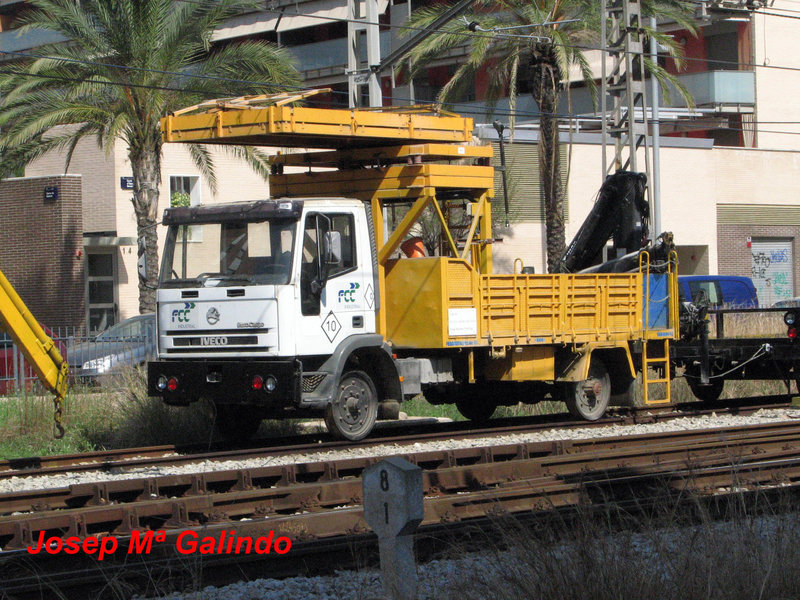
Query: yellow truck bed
{"x": 443, "y": 302}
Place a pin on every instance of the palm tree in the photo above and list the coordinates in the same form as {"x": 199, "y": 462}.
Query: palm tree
{"x": 557, "y": 33}
{"x": 127, "y": 63}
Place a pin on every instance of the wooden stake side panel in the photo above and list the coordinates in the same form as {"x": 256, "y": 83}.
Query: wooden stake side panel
{"x": 563, "y": 308}
{"x": 443, "y": 303}
{"x": 289, "y": 126}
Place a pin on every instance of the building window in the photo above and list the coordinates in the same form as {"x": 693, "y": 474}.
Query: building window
{"x": 184, "y": 190}
{"x": 101, "y": 269}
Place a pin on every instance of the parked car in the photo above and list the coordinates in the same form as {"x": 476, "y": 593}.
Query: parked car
{"x": 9, "y": 370}
{"x": 720, "y": 290}
{"x": 129, "y": 343}
{"x": 790, "y": 303}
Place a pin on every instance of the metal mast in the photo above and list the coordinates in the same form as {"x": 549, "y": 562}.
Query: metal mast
{"x": 365, "y": 11}
{"x": 621, "y": 29}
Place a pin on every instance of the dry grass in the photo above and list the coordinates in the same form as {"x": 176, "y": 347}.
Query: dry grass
{"x": 139, "y": 420}
{"x": 117, "y": 414}
{"x": 750, "y": 556}
{"x": 749, "y": 325}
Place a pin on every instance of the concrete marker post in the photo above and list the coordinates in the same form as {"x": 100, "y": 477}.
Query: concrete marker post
{"x": 393, "y": 508}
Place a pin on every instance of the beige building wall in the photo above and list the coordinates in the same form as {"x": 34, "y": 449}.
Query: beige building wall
{"x": 235, "y": 182}
{"x": 97, "y": 168}
{"x": 693, "y": 182}
{"x": 777, "y": 89}
{"x": 108, "y": 208}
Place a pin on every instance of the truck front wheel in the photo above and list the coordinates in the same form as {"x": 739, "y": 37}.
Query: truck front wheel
{"x": 588, "y": 399}
{"x": 352, "y": 413}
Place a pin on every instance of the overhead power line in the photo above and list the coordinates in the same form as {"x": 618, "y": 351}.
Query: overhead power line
{"x": 258, "y": 84}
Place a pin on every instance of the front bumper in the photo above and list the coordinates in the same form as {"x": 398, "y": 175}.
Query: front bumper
{"x": 227, "y": 382}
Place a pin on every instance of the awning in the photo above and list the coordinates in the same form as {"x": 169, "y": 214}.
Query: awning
{"x": 318, "y": 12}
{"x": 107, "y": 241}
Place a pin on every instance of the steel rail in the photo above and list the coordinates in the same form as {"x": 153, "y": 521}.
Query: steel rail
{"x": 131, "y": 490}
{"x": 172, "y": 501}
{"x": 105, "y": 461}
{"x": 461, "y": 487}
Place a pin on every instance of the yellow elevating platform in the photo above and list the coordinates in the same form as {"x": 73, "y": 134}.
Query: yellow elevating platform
{"x": 412, "y": 164}
{"x": 268, "y": 121}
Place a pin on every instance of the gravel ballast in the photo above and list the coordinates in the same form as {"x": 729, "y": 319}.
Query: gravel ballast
{"x": 20, "y": 484}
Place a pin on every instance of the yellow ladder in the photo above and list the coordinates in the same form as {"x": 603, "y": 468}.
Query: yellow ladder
{"x": 660, "y": 360}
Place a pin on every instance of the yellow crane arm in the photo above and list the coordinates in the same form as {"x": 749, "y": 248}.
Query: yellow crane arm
{"x": 37, "y": 347}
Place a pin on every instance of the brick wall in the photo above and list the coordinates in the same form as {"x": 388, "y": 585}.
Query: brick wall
{"x": 735, "y": 257}
{"x": 39, "y": 241}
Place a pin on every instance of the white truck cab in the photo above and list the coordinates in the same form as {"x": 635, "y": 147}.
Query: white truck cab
{"x": 268, "y": 309}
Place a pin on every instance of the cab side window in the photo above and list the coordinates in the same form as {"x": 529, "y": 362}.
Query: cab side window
{"x": 709, "y": 289}
{"x": 311, "y": 267}
{"x": 344, "y": 225}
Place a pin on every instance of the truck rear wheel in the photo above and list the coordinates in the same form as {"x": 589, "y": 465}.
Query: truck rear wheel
{"x": 707, "y": 393}
{"x": 352, "y": 413}
{"x": 588, "y": 399}
{"x": 475, "y": 408}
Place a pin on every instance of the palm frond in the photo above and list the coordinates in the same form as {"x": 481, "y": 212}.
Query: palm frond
{"x": 201, "y": 157}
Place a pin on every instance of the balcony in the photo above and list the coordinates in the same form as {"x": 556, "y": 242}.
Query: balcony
{"x": 727, "y": 91}
{"x": 330, "y": 54}
{"x": 16, "y": 41}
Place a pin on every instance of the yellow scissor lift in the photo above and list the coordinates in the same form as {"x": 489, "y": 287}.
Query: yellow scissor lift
{"x": 420, "y": 157}
{"x": 382, "y": 156}
{"x": 36, "y": 346}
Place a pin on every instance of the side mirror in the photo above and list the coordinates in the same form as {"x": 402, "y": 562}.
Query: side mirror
{"x": 141, "y": 261}
{"x": 332, "y": 248}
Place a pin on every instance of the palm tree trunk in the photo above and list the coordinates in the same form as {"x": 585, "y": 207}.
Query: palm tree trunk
{"x": 146, "y": 181}
{"x": 550, "y": 177}
{"x": 546, "y": 83}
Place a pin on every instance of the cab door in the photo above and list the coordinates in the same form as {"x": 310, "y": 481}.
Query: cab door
{"x": 337, "y": 298}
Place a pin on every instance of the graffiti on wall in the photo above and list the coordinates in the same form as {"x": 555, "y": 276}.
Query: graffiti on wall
{"x": 772, "y": 273}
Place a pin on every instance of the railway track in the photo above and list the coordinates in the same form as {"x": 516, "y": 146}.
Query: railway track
{"x": 400, "y": 435}
{"x": 317, "y": 505}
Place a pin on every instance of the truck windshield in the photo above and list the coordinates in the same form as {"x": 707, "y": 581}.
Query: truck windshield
{"x": 229, "y": 253}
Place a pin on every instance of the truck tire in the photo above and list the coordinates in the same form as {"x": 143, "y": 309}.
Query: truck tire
{"x": 352, "y": 413}
{"x": 588, "y": 399}
{"x": 475, "y": 408}
{"x": 707, "y": 393}
{"x": 236, "y": 422}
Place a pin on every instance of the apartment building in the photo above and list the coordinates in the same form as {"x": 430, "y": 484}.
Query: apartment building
{"x": 729, "y": 167}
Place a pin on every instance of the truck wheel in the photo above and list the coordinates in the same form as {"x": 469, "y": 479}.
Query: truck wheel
{"x": 352, "y": 413}
{"x": 588, "y": 399}
{"x": 236, "y": 422}
{"x": 476, "y": 409}
{"x": 707, "y": 393}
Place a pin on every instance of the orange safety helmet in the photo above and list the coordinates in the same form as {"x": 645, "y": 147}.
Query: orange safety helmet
{"x": 413, "y": 248}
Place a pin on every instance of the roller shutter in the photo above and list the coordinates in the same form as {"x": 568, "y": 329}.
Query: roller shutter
{"x": 525, "y": 198}
{"x": 772, "y": 270}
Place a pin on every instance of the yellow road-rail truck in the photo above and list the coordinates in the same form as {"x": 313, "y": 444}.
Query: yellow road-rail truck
{"x": 366, "y": 278}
